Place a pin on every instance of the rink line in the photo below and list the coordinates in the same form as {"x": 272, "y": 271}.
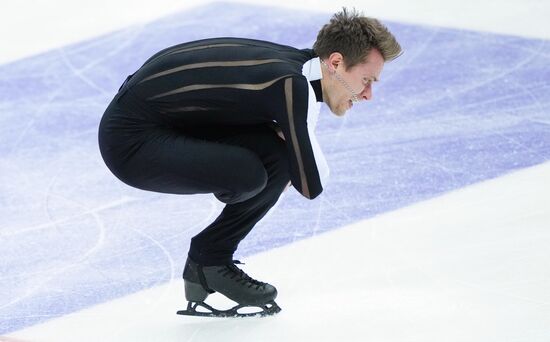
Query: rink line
{"x": 92, "y": 211}
{"x": 369, "y": 253}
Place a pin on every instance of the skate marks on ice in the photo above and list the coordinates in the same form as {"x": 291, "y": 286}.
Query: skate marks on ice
{"x": 458, "y": 108}
{"x": 453, "y": 268}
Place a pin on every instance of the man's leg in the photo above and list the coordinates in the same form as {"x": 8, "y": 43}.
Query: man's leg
{"x": 216, "y": 244}
{"x": 244, "y": 167}
{"x": 164, "y": 160}
{"x": 209, "y": 267}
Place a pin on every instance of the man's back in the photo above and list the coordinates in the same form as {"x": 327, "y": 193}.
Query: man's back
{"x": 219, "y": 81}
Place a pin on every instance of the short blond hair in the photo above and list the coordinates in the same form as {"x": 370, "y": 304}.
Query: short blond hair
{"x": 354, "y": 36}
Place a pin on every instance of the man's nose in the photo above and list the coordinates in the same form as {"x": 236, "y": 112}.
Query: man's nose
{"x": 366, "y": 94}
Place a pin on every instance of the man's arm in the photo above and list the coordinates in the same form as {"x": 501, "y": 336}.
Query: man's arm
{"x": 293, "y": 122}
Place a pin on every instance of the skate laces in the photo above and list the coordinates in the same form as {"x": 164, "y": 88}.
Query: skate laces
{"x": 235, "y": 272}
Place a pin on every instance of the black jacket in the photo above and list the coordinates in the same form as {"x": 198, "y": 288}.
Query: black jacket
{"x": 234, "y": 81}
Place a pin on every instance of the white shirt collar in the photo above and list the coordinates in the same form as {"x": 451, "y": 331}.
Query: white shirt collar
{"x": 312, "y": 69}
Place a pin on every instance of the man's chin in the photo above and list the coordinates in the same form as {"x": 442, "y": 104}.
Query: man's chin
{"x": 340, "y": 112}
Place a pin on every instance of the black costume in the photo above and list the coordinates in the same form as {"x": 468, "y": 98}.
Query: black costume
{"x": 199, "y": 117}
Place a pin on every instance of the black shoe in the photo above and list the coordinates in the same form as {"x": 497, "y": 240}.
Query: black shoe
{"x": 231, "y": 282}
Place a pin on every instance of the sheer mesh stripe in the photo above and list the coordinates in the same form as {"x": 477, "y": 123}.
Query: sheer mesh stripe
{"x": 257, "y": 86}
{"x": 211, "y": 65}
{"x": 293, "y": 136}
{"x": 190, "y": 109}
{"x": 186, "y": 49}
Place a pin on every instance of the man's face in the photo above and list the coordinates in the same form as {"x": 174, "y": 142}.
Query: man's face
{"x": 342, "y": 87}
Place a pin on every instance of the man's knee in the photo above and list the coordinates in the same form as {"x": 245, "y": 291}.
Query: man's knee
{"x": 247, "y": 185}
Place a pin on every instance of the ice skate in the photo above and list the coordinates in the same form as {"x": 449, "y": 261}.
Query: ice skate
{"x": 230, "y": 281}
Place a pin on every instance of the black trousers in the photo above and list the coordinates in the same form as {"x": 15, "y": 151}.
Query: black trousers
{"x": 245, "y": 167}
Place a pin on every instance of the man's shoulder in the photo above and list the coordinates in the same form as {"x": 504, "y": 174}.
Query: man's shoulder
{"x": 304, "y": 53}
{"x": 248, "y": 41}
{"x": 236, "y": 48}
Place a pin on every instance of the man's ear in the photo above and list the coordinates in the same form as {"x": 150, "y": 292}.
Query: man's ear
{"x": 335, "y": 61}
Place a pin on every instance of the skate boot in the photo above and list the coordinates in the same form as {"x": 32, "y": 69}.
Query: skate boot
{"x": 230, "y": 281}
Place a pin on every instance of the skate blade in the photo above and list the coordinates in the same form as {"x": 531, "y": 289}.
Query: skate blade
{"x": 268, "y": 309}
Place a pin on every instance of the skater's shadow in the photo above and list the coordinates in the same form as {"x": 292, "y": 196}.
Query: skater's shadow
{"x": 215, "y": 329}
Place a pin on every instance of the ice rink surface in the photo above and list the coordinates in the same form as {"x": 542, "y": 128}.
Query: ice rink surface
{"x": 434, "y": 225}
